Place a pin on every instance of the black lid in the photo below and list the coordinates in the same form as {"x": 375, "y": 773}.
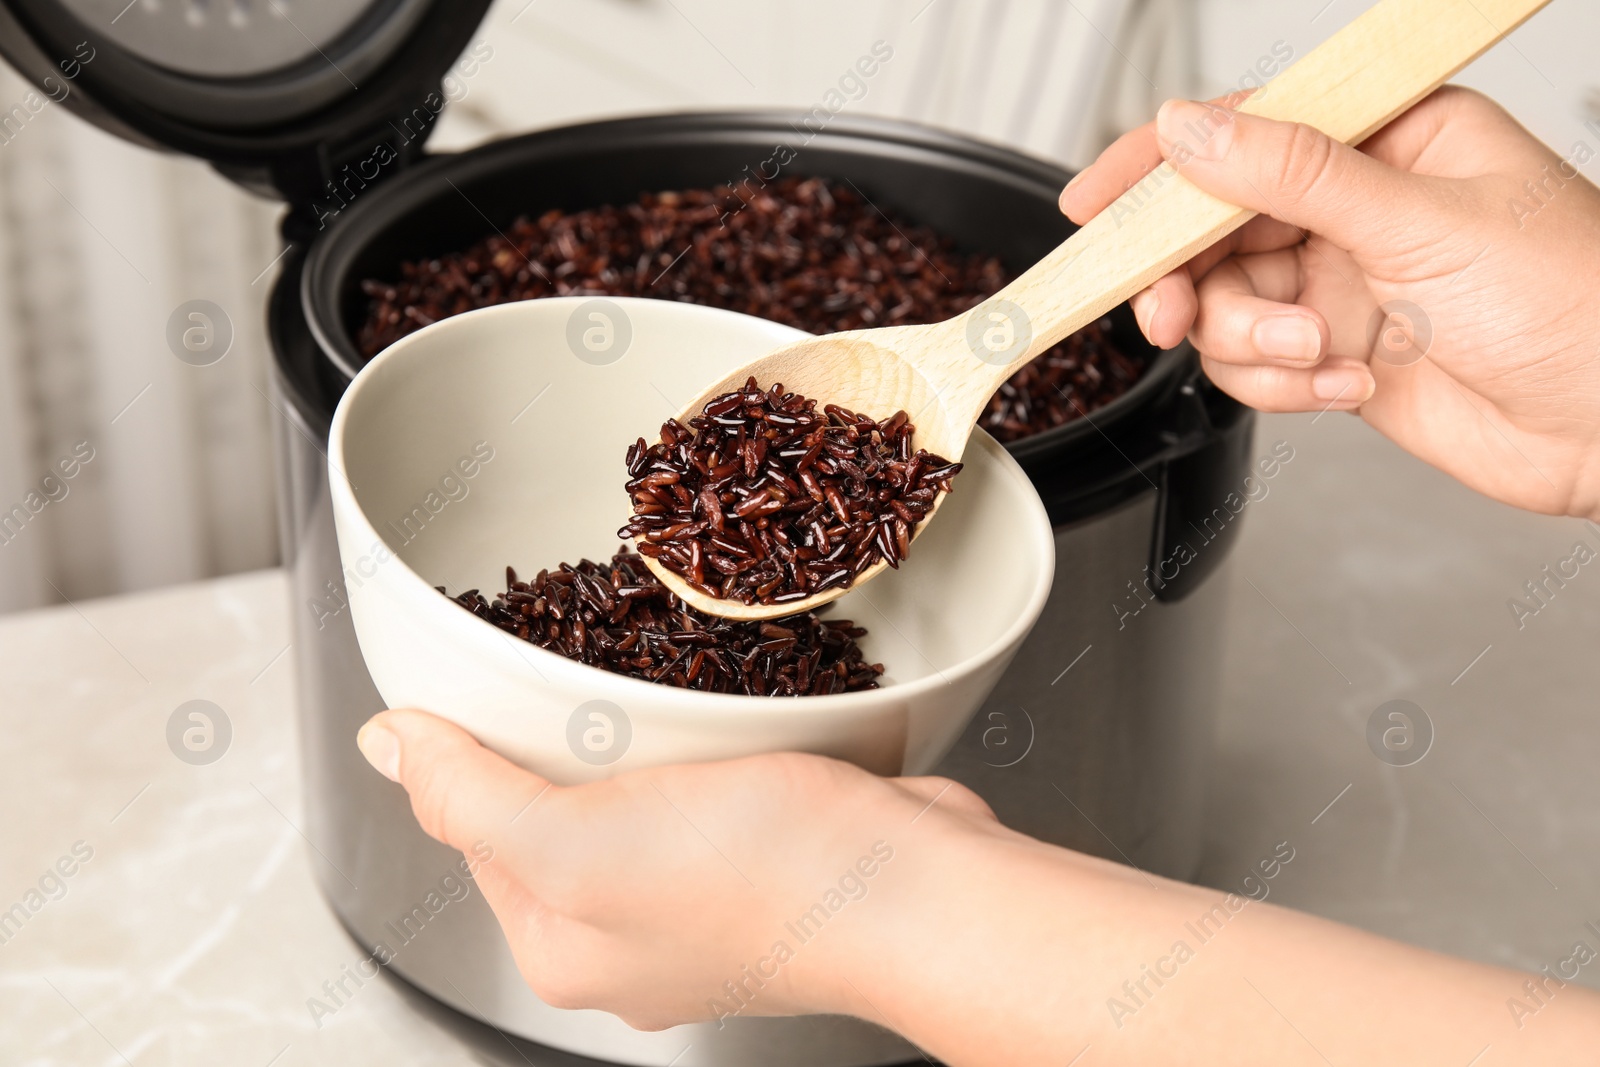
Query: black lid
{"x": 278, "y": 94}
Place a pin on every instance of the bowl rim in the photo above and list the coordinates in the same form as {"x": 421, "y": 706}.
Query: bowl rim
{"x": 345, "y": 499}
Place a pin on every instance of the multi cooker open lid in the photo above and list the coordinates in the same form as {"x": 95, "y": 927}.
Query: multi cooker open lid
{"x": 277, "y": 94}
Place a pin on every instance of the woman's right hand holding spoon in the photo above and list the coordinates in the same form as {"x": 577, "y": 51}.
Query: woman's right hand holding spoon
{"x": 1443, "y": 281}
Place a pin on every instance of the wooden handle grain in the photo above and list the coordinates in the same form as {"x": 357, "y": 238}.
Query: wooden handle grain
{"x": 1353, "y": 84}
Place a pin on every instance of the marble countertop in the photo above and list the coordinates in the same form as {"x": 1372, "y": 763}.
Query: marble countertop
{"x": 168, "y": 915}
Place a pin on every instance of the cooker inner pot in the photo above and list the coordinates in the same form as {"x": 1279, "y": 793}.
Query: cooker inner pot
{"x": 982, "y": 198}
{"x": 813, "y": 253}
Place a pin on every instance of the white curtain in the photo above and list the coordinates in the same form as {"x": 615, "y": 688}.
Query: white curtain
{"x": 1055, "y": 77}
{"x": 100, "y": 241}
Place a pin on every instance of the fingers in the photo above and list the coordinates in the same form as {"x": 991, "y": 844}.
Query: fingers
{"x": 947, "y": 794}
{"x": 1336, "y": 384}
{"x": 1167, "y": 309}
{"x": 461, "y": 793}
{"x": 1248, "y": 315}
{"x": 1290, "y": 171}
{"x": 554, "y": 954}
{"x": 1261, "y": 234}
{"x": 1119, "y": 168}
{"x": 1264, "y": 350}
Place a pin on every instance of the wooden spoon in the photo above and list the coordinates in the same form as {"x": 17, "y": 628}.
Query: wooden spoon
{"x": 1374, "y": 69}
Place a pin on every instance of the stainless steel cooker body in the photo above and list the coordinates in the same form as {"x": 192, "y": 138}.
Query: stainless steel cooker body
{"x": 1096, "y": 737}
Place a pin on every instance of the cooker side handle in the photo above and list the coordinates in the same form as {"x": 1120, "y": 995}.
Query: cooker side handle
{"x": 1203, "y": 490}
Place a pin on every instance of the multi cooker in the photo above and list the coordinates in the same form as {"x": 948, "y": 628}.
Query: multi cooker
{"x": 1097, "y": 737}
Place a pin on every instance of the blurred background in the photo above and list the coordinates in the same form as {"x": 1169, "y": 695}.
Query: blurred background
{"x": 101, "y": 240}
{"x": 200, "y": 932}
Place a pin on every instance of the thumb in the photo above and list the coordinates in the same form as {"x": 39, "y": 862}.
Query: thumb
{"x": 461, "y": 793}
{"x": 1290, "y": 171}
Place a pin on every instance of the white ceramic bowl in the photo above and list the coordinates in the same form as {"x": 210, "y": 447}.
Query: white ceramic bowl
{"x": 497, "y": 437}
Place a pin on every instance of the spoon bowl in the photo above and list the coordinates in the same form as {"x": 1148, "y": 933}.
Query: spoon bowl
{"x": 808, "y": 367}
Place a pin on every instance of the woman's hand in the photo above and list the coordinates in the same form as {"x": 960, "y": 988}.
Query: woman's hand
{"x": 1443, "y": 281}
{"x": 663, "y": 896}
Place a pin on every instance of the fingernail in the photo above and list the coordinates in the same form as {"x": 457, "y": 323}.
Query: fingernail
{"x": 1145, "y": 306}
{"x": 1188, "y": 130}
{"x": 1343, "y": 385}
{"x": 1292, "y": 337}
{"x": 1061, "y": 199}
{"x": 382, "y": 749}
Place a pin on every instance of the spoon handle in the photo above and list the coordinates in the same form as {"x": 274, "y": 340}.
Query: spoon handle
{"x": 1350, "y": 86}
